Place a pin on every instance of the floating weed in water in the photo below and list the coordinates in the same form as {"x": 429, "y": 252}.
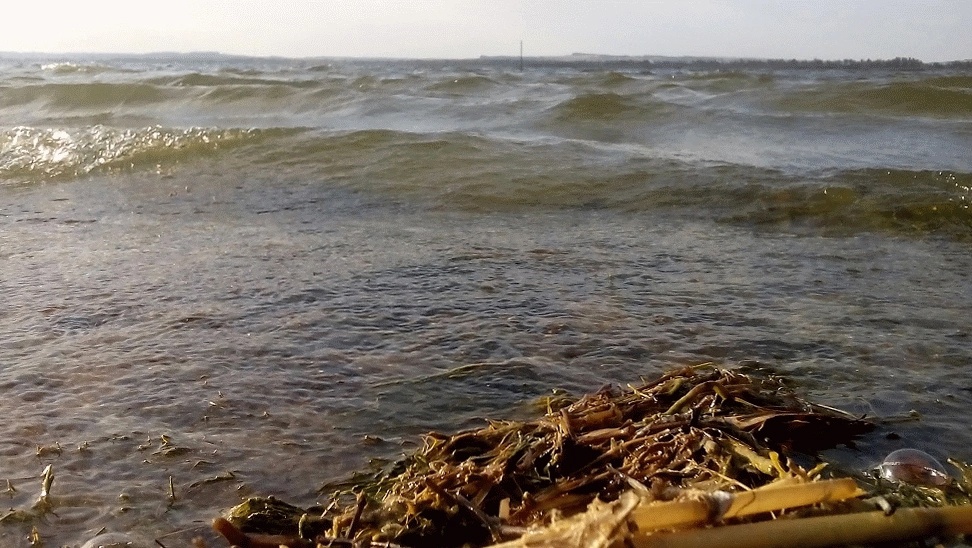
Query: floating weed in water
{"x": 43, "y": 503}
{"x": 49, "y": 450}
{"x": 228, "y": 476}
{"x": 172, "y": 493}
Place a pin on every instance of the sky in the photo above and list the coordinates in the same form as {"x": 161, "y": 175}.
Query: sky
{"x": 930, "y": 30}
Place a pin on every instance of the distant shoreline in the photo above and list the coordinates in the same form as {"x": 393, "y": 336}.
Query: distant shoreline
{"x": 564, "y": 60}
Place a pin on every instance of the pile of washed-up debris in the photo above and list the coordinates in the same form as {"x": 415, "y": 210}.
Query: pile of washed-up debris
{"x": 700, "y": 456}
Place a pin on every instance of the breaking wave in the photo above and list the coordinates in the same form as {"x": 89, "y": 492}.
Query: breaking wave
{"x": 35, "y": 154}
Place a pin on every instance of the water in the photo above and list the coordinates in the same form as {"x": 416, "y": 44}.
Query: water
{"x": 252, "y": 276}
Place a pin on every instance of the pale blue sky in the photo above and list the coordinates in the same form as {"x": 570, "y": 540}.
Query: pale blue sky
{"x": 931, "y": 30}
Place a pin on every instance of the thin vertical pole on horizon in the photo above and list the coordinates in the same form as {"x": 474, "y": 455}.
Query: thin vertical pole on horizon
{"x": 521, "y": 55}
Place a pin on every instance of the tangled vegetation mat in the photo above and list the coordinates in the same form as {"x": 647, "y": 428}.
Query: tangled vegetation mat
{"x": 700, "y": 456}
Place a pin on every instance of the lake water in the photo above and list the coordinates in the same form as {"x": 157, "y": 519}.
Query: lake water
{"x": 240, "y": 276}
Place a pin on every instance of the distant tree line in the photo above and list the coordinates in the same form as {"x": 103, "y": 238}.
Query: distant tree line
{"x": 898, "y": 63}
{"x": 596, "y": 62}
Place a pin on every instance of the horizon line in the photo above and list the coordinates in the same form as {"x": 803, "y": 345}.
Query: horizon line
{"x": 568, "y": 56}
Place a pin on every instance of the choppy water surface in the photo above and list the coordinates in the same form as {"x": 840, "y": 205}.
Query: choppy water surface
{"x": 253, "y": 276}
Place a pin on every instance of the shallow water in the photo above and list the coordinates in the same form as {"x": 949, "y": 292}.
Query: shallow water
{"x": 254, "y": 276}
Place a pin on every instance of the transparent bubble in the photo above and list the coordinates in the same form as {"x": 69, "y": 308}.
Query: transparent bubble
{"x": 914, "y": 467}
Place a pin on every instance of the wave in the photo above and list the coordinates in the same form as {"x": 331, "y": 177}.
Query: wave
{"x": 82, "y": 96}
{"x": 405, "y": 84}
{"x": 476, "y": 174}
{"x": 952, "y": 81}
{"x": 606, "y": 79}
{"x": 463, "y": 84}
{"x": 898, "y": 201}
{"x": 196, "y": 79}
{"x": 87, "y": 68}
{"x": 483, "y": 175}
{"x": 168, "y": 98}
{"x": 726, "y": 81}
{"x": 614, "y": 78}
{"x": 488, "y": 174}
{"x": 936, "y": 96}
{"x": 38, "y": 154}
{"x": 606, "y": 107}
{"x": 366, "y": 97}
